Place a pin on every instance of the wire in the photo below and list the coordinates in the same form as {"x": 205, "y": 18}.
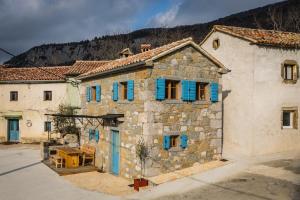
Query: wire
{"x": 40, "y": 68}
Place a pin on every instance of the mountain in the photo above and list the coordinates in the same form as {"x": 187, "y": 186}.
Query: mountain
{"x": 283, "y": 16}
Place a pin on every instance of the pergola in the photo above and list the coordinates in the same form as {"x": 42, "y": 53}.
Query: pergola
{"x": 96, "y": 121}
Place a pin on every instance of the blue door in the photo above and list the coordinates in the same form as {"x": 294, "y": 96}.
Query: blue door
{"x": 13, "y": 130}
{"x": 115, "y": 152}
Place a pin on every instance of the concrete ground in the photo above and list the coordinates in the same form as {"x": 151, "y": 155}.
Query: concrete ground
{"x": 23, "y": 176}
{"x": 101, "y": 182}
{"x": 262, "y": 178}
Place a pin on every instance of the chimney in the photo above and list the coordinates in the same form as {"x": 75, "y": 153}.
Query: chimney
{"x": 145, "y": 47}
{"x": 125, "y": 53}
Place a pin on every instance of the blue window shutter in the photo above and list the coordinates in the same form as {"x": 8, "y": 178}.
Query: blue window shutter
{"x": 214, "y": 92}
{"x": 166, "y": 142}
{"x": 130, "y": 90}
{"x": 98, "y": 93}
{"x": 97, "y": 136}
{"x": 192, "y": 90}
{"x": 88, "y": 91}
{"x": 115, "y": 91}
{"x": 90, "y": 134}
{"x": 160, "y": 89}
{"x": 185, "y": 90}
{"x": 183, "y": 141}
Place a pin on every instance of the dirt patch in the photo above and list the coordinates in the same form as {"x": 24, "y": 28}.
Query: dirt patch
{"x": 292, "y": 165}
{"x": 101, "y": 182}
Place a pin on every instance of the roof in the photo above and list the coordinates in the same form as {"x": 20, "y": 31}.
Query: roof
{"x": 147, "y": 56}
{"x": 81, "y": 67}
{"x": 33, "y": 73}
{"x": 262, "y": 37}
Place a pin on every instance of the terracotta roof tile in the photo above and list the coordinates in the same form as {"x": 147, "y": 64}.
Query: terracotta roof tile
{"x": 33, "y": 73}
{"x": 81, "y": 66}
{"x": 263, "y": 37}
{"x": 141, "y": 57}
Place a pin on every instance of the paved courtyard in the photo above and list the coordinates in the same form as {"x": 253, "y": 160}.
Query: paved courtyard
{"x": 23, "y": 176}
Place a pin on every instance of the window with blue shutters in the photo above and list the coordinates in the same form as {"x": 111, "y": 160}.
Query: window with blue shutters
{"x": 97, "y": 135}
{"x": 214, "y": 92}
{"x": 183, "y": 141}
{"x": 115, "y": 91}
{"x": 192, "y": 90}
{"x": 185, "y": 90}
{"x": 88, "y": 94}
{"x": 188, "y": 90}
{"x": 166, "y": 142}
{"x": 91, "y": 134}
{"x": 202, "y": 91}
{"x": 98, "y": 93}
{"x": 130, "y": 90}
{"x": 160, "y": 89}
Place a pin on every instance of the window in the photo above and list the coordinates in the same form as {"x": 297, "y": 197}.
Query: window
{"x": 174, "y": 141}
{"x": 47, "y": 95}
{"x": 47, "y": 126}
{"x": 13, "y": 96}
{"x": 93, "y": 90}
{"x": 289, "y": 118}
{"x": 124, "y": 88}
{"x": 216, "y": 43}
{"x": 171, "y": 89}
{"x": 289, "y": 71}
{"x": 201, "y": 91}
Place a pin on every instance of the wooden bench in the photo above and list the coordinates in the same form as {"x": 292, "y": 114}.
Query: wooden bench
{"x": 57, "y": 160}
{"x": 88, "y": 153}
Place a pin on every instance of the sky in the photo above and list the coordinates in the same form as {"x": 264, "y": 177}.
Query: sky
{"x": 24, "y": 24}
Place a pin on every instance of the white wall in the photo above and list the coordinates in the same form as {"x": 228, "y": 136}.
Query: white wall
{"x": 252, "y": 110}
{"x": 32, "y": 107}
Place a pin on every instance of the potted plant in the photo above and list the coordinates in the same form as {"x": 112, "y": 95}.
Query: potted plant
{"x": 142, "y": 153}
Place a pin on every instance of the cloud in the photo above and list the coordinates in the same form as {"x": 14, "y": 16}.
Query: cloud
{"x": 33, "y": 22}
{"x": 199, "y": 11}
{"x": 165, "y": 18}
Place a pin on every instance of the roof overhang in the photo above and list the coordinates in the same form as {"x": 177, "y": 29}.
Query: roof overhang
{"x": 116, "y": 70}
{"x": 31, "y": 81}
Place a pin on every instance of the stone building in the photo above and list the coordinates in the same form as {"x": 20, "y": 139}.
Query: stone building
{"x": 168, "y": 97}
{"x": 262, "y": 91}
{"x": 27, "y": 94}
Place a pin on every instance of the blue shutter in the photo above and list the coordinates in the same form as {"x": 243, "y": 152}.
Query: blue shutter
{"x": 87, "y": 92}
{"x": 98, "y": 93}
{"x": 185, "y": 90}
{"x": 166, "y": 142}
{"x": 192, "y": 90}
{"x": 97, "y": 136}
{"x": 115, "y": 91}
{"x": 214, "y": 94}
{"x": 183, "y": 141}
{"x": 160, "y": 89}
{"x": 90, "y": 134}
{"x": 130, "y": 90}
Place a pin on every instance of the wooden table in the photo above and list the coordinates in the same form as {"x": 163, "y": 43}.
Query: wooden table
{"x": 71, "y": 156}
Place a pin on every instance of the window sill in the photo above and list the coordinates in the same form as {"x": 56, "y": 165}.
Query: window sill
{"x": 289, "y": 81}
{"x": 175, "y": 149}
{"x": 123, "y": 102}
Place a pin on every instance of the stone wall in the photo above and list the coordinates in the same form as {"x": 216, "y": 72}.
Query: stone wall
{"x": 150, "y": 119}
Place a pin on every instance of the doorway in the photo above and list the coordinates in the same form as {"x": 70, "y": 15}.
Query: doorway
{"x": 13, "y": 130}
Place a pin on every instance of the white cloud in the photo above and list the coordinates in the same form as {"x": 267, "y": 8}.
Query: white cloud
{"x": 165, "y": 18}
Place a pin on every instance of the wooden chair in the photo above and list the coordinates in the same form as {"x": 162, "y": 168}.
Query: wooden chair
{"x": 88, "y": 153}
{"x": 57, "y": 160}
